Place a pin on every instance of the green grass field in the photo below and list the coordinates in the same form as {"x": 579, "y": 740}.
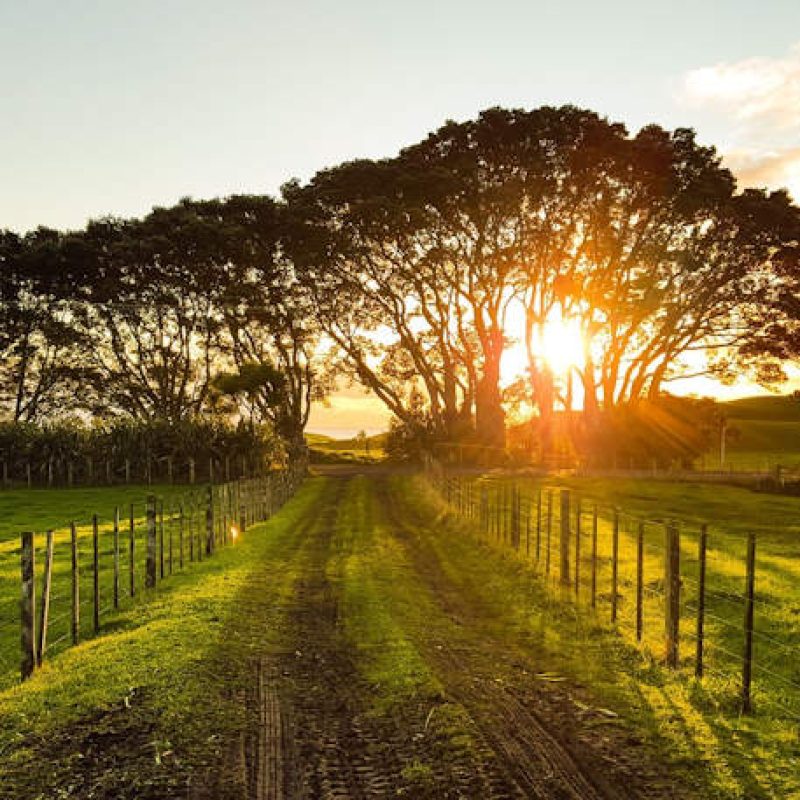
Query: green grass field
{"x": 150, "y": 678}
{"x": 160, "y": 688}
{"x": 39, "y": 510}
{"x": 764, "y": 433}
{"x": 327, "y": 450}
{"x": 730, "y": 513}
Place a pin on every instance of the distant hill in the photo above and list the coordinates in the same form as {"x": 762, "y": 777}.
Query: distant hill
{"x": 327, "y": 450}
{"x": 769, "y": 408}
{"x": 320, "y": 440}
{"x": 764, "y": 431}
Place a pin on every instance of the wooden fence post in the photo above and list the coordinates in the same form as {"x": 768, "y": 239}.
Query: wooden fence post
{"x": 672, "y": 589}
{"x": 127, "y": 470}
{"x": 549, "y": 531}
{"x": 132, "y": 551}
{"x": 528, "y": 516}
{"x": 538, "y": 525}
{"x": 191, "y": 471}
{"x": 200, "y": 522}
{"x": 161, "y": 539}
{"x": 75, "y": 622}
{"x": 44, "y": 607}
{"x": 747, "y": 664}
{"x": 210, "y": 521}
{"x": 180, "y": 535}
{"x": 170, "y": 537}
{"x": 28, "y": 606}
{"x": 614, "y": 565}
{"x": 639, "y": 580}
{"x": 564, "y": 539}
{"x": 701, "y": 600}
{"x": 191, "y": 530}
{"x": 152, "y": 545}
{"x": 577, "y": 548}
{"x": 116, "y": 558}
{"x": 28, "y": 477}
{"x": 95, "y": 574}
{"x": 594, "y": 556}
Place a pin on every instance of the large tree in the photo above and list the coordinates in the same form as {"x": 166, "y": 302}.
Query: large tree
{"x": 41, "y": 348}
{"x": 361, "y": 241}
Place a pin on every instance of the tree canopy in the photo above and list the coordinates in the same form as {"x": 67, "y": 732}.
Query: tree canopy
{"x": 415, "y": 275}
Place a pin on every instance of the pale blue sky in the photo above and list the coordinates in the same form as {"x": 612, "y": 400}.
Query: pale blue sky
{"x": 111, "y": 106}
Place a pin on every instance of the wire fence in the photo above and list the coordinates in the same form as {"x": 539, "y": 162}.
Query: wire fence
{"x": 778, "y": 472}
{"x": 73, "y": 579}
{"x": 709, "y": 606}
{"x": 118, "y": 470}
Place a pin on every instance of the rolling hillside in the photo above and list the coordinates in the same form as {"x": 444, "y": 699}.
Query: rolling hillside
{"x": 764, "y": 432}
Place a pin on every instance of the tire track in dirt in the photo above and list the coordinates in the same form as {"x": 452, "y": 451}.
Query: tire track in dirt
{"x": 531, "y": 731}
{"x": 339, "y": 753}
{"x": 313, "y": 731}
{"x": 342, "y": 748}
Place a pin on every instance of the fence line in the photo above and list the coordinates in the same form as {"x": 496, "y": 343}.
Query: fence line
{"x": 63, "y": 472}
{"x": 662, "y": 585}
{"x": 89, "y": 571}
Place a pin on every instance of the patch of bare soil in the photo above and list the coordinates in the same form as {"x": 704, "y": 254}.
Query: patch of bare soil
{"x": 115, "y": 754}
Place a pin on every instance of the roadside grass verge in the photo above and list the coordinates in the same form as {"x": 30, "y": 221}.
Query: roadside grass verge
{"x": 40, "y": 510}
{"x": 135, "y": 712}
{"x": 695, "y": 725}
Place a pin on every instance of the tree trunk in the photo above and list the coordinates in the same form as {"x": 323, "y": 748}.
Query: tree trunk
{"x": 490, "y": 418}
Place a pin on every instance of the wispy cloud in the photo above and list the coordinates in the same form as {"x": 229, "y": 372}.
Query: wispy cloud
{"x": 760, "y": 98}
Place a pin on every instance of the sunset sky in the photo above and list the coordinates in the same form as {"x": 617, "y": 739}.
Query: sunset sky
{"x": 110, "y": 107}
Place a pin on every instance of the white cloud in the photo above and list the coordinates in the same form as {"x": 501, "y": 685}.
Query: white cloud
{"x": 759, "y": 98}
{"x": 772, "y": 168}
{"x": 758, "y": 90}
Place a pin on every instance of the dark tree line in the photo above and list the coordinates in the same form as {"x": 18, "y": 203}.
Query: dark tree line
{"x": 192, "y": 310}
{"x": 406, "y": 274}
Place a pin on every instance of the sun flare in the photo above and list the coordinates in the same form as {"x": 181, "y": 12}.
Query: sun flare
{"x": 560, "y": 344}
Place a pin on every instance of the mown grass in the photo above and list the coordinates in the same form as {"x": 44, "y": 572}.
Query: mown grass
{"x": 156, "y": 695}
{"x": 40, "y": 510}
{"x": 753, "y": 756}
{"x": 763, "y": 432}
{"x": 763, "y": 407}
{"x": 375, "y": 579}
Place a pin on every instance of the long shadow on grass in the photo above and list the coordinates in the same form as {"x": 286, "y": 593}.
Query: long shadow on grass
{"x": 613, "y": 669}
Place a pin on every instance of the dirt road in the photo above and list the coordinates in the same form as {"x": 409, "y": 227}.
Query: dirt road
{"x": 397, "y": 677}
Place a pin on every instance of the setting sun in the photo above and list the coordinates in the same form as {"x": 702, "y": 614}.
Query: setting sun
{"x": 561, "y": 344}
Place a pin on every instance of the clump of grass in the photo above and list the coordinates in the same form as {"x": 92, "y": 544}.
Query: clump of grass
{"x": 417, "y": 775}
